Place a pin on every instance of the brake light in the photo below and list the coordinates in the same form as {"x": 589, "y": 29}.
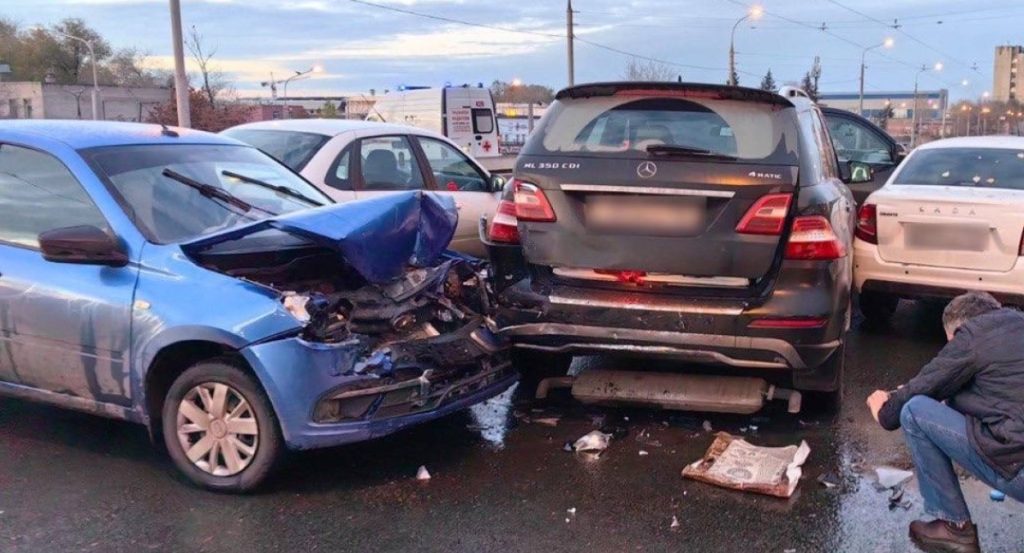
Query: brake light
{"x": 867, "y": 224}
{"x": 789, "y": 322}
{"x": 766, "y": 216}
{"x": 504, "y": 226}
{"x": 812, "y": 238}
{"x": 531, "y": 203}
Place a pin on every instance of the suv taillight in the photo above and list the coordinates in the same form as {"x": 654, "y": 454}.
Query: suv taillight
{"x": 867, "y": 224}
{"x": 531, "y": 203}
{"x": 766, "y": 216}
{"x": 812, "y": 238}
{"x": 504, "y": 225}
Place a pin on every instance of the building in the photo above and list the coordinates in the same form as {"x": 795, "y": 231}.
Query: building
{"x": 1006, "y": 84}
{"x": 38, "y": 100}
{"x": 931, "y": 110}
{"x": 345, "y": 107}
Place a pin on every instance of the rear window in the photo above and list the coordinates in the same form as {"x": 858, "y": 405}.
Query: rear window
{"x": 291, "y": 148}
{"x": 483, "y": 121}
{"x": 978, "y": 167}
{"x": 618, "y": 126}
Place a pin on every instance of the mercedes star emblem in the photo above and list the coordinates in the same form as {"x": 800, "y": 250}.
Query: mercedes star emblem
{"x": 647, "y": 169}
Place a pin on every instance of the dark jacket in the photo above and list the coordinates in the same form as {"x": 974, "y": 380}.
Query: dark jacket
{"x": 981, "y": 373}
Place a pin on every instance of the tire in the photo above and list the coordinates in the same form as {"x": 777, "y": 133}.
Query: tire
{"x": 877, "y": 307}
{"x": 534, "y": 366}
{"x": 240, "y": 451}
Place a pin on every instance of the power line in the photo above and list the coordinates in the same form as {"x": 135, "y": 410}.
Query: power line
{"x": 897, "y": 27}
{"x": 454, "y": 20}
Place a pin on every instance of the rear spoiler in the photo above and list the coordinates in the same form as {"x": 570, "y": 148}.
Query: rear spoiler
{"x": 692, "y": 90}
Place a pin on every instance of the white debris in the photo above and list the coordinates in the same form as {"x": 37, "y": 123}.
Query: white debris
{"x": 889, "y": 477}
{"x": 707, "y": 426}
{"x": 643, "y": 453}
{"x": 571, "y": 511}
{"x": 625, "y": 419}
{"x": 422, "y": 473}
{"x": 595, "y": 441}
{"x": 675, "y": 523}
{"x": 547, "y": 421}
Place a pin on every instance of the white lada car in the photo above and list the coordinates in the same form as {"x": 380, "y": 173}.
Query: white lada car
{"x": 950, "y": 219}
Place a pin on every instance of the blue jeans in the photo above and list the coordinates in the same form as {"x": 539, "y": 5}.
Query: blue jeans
{"x": 937, "y": 436}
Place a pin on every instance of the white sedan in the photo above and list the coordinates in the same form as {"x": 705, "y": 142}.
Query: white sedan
{"x": 950, "y": 219}
{"x": 351, "y": 160}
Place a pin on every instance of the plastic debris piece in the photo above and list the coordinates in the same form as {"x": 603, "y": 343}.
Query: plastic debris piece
{"x": 994, "y": 495}
{"x": 789, "y": 551}
{"x": 753, "y": 428}
{"x": 567, "y": 446}
{"x": 643, "y": 453}
{"x": 707, "y": 426}
{"x": 675, "y": 523}
{"x": 571, "y": 511}
{"x": 889, "y": 477}
{"x": 896, "y": 499}
{"x": 422, "y": 473}
{"x": 592, "y": 442}
{"x": 828, "y": 480}
{"x": 547, "y": 421}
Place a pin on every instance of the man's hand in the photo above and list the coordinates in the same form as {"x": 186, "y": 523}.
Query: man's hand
{"x": 875, "y": 402}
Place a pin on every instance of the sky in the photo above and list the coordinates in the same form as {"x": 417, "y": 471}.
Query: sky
{"x": 361, "y": 47}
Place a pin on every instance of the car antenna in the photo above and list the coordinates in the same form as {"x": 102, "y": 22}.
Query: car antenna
{"x": 167, "y": 131}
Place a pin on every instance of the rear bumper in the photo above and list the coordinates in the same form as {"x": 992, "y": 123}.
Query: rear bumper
{"x": 873, "y": 274}
{"x": 718, "y": 332}
{"x": 735, "y": 351}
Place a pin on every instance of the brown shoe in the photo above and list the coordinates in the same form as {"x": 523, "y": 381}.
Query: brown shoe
{"x": 940, "y": 536}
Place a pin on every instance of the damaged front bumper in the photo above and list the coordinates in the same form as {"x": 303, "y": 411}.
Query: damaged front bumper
{"x": 324, "y": 395}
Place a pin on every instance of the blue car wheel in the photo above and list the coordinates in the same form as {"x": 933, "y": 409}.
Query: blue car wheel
{"x": 219, "y": 427}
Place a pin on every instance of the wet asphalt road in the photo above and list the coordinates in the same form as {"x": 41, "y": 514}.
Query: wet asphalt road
{"x": 501, "y": 481}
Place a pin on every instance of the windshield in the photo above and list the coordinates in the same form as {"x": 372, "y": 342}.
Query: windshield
{"x": 618, "y": 126}
{"x": 291, "y": 148}
{"x": 976, "y": 167}
{"x": 148, "y": 181}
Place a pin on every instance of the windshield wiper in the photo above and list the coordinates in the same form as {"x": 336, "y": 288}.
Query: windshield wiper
{"x": 685, "y": 151}
{"x": 213, "y": 192}
{"x": 290, "y": 192}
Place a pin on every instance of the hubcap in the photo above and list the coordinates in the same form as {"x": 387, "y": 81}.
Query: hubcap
{"x": 217, "y": 429}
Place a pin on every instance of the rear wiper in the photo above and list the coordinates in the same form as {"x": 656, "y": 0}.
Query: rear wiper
{"x": 685, "y": 151}
{"x": 213, "y": 192}
{"x": 290, "y": 192}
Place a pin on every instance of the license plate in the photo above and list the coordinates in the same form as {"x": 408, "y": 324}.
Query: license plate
{"x": 947, "y": 237}
{"x": 645, "y": 215}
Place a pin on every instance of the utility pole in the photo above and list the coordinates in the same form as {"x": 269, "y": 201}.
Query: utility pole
{"x": 570, "y": 37}
{"x": 180, "y": 79}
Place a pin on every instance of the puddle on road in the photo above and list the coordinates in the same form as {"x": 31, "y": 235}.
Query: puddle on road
{"x": 492, "y": 418}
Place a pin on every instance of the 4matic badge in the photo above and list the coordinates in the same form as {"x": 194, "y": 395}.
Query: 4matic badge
{"x": 760, "y": 175}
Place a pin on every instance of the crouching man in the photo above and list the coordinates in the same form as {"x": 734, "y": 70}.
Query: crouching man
{"x": 979, "y": 375}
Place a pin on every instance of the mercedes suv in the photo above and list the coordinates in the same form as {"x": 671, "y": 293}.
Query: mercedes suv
{"x": 707, "y": 223}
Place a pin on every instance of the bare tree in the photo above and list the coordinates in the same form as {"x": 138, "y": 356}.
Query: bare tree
{"x": 638, "y": 70}
{"x": 212, "y": 79}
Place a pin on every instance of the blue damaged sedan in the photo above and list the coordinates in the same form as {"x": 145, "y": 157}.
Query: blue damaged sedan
{"x": 188, "y": 282}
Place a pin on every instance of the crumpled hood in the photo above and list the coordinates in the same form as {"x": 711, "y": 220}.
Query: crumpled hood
{"x": 378, "y": 237}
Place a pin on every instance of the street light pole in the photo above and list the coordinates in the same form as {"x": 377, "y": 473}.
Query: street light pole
{"x": 913, "y": 119}
{"x": 754, "y": 13}
{"x": 95, "y": 75}
{"x": 287, "y": 112}
{"x": 570, "y": 36}
{"x": 888, "y": 42}
{"x": 180, "y": 78}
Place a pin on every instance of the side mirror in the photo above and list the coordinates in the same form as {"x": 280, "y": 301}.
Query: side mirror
{"x": 498, "y": 183}
{"x": 899, "y": 153}
{"x": 853, "y": 172}
{"x": 84, "y": 245}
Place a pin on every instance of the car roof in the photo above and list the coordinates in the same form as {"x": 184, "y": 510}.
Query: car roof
{"x": 90, "y": 134}
{"x": 724, "y": 92}
{"x": 330, "y": 127}
{"x": 1004, "y": 141}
